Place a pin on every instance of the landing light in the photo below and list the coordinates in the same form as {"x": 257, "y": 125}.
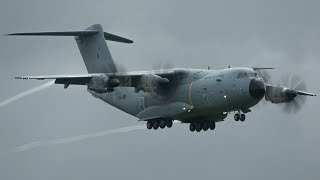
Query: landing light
{"x": 225, "y": 96}
{"x": 224, "y": 113}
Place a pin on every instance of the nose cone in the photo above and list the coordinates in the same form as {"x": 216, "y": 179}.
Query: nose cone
{"x": 257, "y": 88}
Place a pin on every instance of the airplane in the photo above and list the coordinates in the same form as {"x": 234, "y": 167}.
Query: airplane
{"x": 199, "y": 97}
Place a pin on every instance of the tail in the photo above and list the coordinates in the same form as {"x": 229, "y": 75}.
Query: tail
{"x": 95, "y": 52}
{"x": 92, "y": 46}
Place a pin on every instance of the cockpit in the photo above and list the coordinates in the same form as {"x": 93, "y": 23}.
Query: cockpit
{"x": 246, "y": 75}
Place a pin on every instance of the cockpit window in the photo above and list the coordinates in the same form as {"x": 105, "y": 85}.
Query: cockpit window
{"x": 252, "y": 74}
{"x": 245, "y": 75}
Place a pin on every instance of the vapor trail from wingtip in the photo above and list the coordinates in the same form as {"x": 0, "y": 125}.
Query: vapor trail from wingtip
{"x": 72, "y": 139}
{"x": 36, "y": 144}
{"x": 26, "y": 93}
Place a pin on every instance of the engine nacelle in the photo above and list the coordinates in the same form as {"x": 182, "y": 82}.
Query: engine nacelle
{"x": 279, "y": 94}
{"x": 103, "y": 84}
{"x": 153, "y": 83}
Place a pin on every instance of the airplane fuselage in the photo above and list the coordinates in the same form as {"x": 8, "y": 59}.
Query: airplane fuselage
{"x": 200, "y": 94}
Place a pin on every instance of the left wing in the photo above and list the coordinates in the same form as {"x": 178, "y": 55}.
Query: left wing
{"x": 126, "y": 79}
{"x": 64, "y": 79}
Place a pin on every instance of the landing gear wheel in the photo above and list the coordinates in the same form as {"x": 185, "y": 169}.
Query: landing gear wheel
{"x": 198, "y": 127}
{"x": 236, "y": 117}
{"x": 155, "y": 124}
{"x": 205, "y": 126}
{"x": 242, "y": 117}
{"x": 149, "y": 124}
{"x": 192, "y": 127}
{"x": 169, "y": 123}
{"x": 162, "y": 124}
{"x": 212, "y": 125}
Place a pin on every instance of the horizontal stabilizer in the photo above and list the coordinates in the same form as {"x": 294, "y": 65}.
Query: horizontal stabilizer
{"x": 107, "y": 36}
{"x": 63, "y": 33}
{"x": 112, "y": 37}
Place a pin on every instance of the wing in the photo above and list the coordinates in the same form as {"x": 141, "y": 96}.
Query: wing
{"x": 127, "y": 79}
{"x": 63, "y": 79}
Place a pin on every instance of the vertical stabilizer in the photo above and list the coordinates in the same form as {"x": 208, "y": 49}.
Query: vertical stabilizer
{"x": 92, "y": 46}
{"x": 95, "y": 52}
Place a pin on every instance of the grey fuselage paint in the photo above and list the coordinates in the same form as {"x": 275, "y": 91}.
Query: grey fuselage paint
{"x": 209, "y": 93}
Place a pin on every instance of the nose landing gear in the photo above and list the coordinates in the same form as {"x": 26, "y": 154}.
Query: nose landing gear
{"x": 242, "y": 117}
{"x": 238, "y": 116}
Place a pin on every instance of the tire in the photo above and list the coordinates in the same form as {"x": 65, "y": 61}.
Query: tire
{"x": 198, "y": 127}
{"x": 169, "y": 123}
{"x": 192, "y": 127}
{"x": 236, "y": 117}
{"x": 212, "y": 125}
{"x": 242, "y": 117}
{"x": 205, "y": 126}
{"x": 149, "y": 124}
{"x": 163, "y": 124}
{"x": 155, "y": 124}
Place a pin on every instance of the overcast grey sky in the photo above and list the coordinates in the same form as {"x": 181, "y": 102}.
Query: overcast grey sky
{"x": 284, "y": 34}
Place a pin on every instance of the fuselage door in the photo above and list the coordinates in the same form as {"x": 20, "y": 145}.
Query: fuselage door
{"x": 206, "y": 99}
{"x": 141, "y": 104}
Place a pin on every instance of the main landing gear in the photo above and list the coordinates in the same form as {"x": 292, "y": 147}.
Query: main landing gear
{"x": 241, "y": 117}
{"x": 159, "y": 123}
{"x": 198, "y": 126}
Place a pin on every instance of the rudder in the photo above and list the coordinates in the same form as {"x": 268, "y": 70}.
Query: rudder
{"x": 95, "y": 52}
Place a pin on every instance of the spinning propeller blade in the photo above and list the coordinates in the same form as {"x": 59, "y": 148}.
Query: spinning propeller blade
{"x": 263, "y": 73}
{"x": 296, "y": 87}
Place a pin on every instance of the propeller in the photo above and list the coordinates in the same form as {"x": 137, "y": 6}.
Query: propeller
{"x": 162, "y": 66}
{"x": 263, "y": 72}
{"x": 295, "y": 93}
{"x": 121, "y": 68}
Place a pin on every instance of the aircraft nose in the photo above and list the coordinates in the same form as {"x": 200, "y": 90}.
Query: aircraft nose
{"x": 257, "y": 88}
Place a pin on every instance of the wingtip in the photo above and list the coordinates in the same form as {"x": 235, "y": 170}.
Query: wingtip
{"x": 12, "y": 34}
{"x": 262, "y": 68}
{"x": 19, "y": 77}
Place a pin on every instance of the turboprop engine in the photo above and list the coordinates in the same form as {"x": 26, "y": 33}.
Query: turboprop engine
{"x": 279, "y": 94}
{"x": 103, "y": 84}
{"x": 291, "y": 99}
{"x": 152, "y": 83}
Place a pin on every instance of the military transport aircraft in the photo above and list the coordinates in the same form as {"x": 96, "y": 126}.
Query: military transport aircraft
{"x": 200, "y": 97}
